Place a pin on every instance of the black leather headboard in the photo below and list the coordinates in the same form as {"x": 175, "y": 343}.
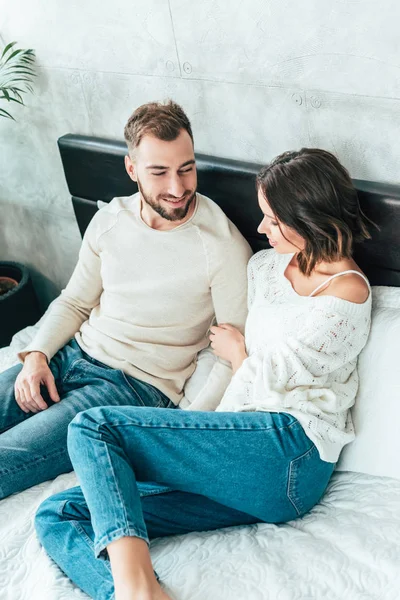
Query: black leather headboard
{"x": 94, "y": 170}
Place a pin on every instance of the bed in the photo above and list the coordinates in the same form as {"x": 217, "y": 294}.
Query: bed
{"x": 348, "y": 546}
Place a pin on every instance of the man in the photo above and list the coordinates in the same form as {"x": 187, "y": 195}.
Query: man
{"x": 155, "y": 269}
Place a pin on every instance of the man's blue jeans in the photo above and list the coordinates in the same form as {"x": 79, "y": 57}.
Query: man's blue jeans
{"x": 33, "y": 447}
{"x": 151, "y": 473}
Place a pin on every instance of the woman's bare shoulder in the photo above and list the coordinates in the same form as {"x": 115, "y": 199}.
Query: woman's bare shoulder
{"x": 350, "y": 287}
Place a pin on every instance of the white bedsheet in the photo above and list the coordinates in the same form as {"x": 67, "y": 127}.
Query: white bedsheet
{"x": 346, "y": 548}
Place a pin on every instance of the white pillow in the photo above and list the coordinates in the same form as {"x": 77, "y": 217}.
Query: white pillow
{"x": 101, "y": 204}
{"x": 376, "y": 413}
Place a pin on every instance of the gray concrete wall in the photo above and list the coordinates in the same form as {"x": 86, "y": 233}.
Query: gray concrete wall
{"x": 256, "y": 77}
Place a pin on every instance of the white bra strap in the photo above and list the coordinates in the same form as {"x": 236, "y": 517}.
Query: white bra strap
{"x": 338, "y": 275}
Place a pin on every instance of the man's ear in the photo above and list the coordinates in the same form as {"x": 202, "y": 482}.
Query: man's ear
{"x": 130, "y": 168}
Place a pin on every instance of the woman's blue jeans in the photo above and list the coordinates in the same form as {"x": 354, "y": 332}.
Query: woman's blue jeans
{"x": 33, "y": 447}
{"x": 155, "y": 472}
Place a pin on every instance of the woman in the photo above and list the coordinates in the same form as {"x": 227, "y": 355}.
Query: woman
{"x": 268, "y": 452}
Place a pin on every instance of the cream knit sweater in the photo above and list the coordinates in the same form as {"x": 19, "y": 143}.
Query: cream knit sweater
{"x": 302, "y": 355}
{"x": 142, "y": 300}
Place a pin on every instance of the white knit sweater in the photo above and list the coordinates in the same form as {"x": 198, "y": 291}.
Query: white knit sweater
{"x": 302, "y": 355}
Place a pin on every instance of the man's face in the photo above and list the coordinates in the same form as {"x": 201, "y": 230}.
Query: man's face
{"x": 166, "y": 175}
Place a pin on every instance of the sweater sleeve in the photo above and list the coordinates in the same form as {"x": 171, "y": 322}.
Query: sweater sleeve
{"x": 259, "y": 261}
{"x": 297, "y": 368}
{"x": 72, "y": 308}
{"x": 251, "y": 283}
{"x": 228, "y": 282}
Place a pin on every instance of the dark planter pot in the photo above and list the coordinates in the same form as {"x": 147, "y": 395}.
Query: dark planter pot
{"x": 19, "y": 305}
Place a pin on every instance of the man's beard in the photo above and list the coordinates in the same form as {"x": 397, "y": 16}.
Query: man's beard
{"x": 174, "y": 214}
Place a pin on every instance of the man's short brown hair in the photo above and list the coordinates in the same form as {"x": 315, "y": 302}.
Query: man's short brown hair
{"x": 161, "y": 120}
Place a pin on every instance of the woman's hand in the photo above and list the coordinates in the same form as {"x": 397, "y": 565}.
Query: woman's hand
{"x": 228, "y": 343}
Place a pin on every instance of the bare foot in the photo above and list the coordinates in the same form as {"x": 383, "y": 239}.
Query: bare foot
{"x": 132, "y": 571}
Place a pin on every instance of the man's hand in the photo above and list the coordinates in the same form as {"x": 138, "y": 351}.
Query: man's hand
{"x": 27, "y": 385}
{"x": 228, "y": 343}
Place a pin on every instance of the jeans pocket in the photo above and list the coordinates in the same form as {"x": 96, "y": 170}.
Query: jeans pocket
{"x": 144, "y": 393}
{"x": 75, "y": 370}
{"x": 307, "y": 480}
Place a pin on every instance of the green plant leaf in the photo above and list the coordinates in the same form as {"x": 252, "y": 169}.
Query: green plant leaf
{"x": 16, "y": 69}
{"x": 23, "y": 71}
{"x": 17, "y": 95}
{"x": 4, "y": 113}
{"x": 10, "y": 99}
{"x": 7, "y": 48}
{"x": 15, "y": 53}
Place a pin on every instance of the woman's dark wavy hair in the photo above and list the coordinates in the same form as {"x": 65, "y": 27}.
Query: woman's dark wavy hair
{"x": 311, "y": 192}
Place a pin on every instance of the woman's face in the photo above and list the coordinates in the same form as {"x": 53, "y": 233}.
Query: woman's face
{"x": 283, "y": 239}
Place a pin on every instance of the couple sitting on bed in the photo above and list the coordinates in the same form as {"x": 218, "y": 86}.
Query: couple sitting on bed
{"x": 113, "y": 352}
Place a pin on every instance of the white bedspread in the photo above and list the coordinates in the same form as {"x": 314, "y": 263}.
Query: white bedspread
{"x": 347, "y": 548}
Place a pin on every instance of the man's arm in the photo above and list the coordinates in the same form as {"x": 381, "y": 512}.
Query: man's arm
{"x": 62, "y": 320}
{"x": 72, "y": 308}
{"x": 228, "y": 282}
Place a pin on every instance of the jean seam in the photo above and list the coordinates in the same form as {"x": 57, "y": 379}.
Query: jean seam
{"x": 122, "y": 504}
{"x": 116, "y": 483}
{"x": 292, "y": 479}
{"x": 169, "y": 426}
{"x": 157, "y": 492}
{"x": 83, "y": 534}
{"x": 80, "y": 531}
{"x": 132, "y": 388}
{"x": 88, "y": 541}
{"x": 25, "y": 465}
{"x": 60, "y": 509}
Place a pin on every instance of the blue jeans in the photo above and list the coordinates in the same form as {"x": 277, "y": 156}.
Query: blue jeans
{"x": 33, "y": 447}
{"x": 151, "y": 473}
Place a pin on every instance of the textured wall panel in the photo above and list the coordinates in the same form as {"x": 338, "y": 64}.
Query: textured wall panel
{"x": 30, "y": 168}
{"x": 246, "y": 122}
{"x": 362, "y": 132}
{"x": 123, "y": 35}
{"x": 338, "y": 45}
